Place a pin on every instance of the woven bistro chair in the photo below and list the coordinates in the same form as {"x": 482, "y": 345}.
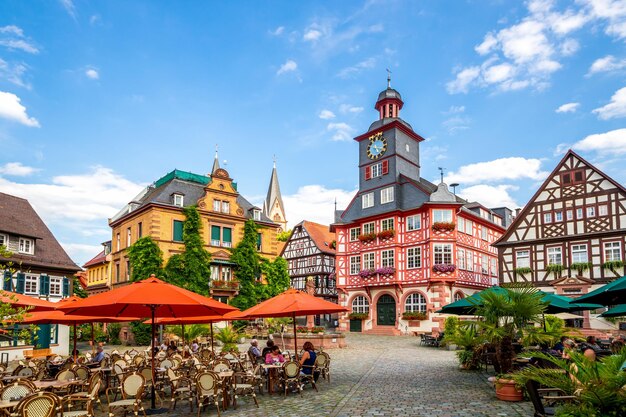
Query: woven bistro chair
{"x": 85, "y": 398}
{"x": 208, "y": 390}
{"x": 244, "y": 385}
{"x": 41, "y": 404}
{"x": 96, "y": 378}
{"x": 16, "y": 390}
{"x": 291, "y": 377}
{"x": 24, "y": 371}
{"x": 166, "y": 363}
{"x": 322, "y": 363}
{"x": 181, "y": 389}
{"x": 65, "y": 375}
{"x": 146, "y": 372}
{"x": 221, "y": 365}
{"x": 139, "y": 360}
{"x": 132, "y": 394}
{"x": 309, "y": 378}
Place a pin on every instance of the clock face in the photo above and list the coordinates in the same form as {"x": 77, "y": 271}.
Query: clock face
{"x": 377, "y": 146}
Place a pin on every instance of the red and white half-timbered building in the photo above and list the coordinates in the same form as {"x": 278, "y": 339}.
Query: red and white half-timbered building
{"x": 403, "y": 243}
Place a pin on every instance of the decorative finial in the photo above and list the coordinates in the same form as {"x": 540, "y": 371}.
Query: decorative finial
{"x": 274, "y": 160}
{"x": 216, "y": 150}
{"x": 388, "y": 78}
{"x": 441, "y": 172}
{"x": 335, "y": 203}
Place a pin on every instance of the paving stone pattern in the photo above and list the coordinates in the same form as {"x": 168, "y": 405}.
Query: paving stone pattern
{"x": 385, "y": 376}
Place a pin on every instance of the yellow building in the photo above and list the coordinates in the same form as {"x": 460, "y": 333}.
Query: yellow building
{"x": 158, "y": 212}
{"x": 98, "y": 271}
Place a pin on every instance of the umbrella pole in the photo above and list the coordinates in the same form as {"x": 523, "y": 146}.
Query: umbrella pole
{"x": 93, "y": 341}
{"x": 152, "y": 400}
{"x": 295, "y": 337}
{"x": 183, "y": 334}
{"x": 74, "y": 352}
{"x": 212, "y": 348}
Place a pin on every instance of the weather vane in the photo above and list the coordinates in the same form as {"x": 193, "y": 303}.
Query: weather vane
{"x": 441, "y": 172}
{"x": 388, "y": 78}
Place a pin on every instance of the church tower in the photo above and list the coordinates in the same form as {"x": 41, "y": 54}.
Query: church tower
{"x": 273, "y": 206}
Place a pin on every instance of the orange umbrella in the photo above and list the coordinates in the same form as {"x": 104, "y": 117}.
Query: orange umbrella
{"x": 24, "y": 301}
{"x": 152, "y": 298}
{"x": 290, "y": 303}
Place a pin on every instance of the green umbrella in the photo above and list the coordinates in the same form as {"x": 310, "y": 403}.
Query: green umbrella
{"x": 562, "y": 304}
{"x": 610, "y": 294}
{"x": 617, "y": 311}
{"x": 467, "y": 305}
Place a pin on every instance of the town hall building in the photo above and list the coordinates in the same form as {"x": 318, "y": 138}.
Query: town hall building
{"x": 405, "y": 244}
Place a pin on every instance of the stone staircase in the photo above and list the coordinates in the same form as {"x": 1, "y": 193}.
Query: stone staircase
{"x": 384, "y": 331}
{"x": 599, "y": 334}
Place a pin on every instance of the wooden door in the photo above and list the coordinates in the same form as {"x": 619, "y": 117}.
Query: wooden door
{"x": 386, "y": 311}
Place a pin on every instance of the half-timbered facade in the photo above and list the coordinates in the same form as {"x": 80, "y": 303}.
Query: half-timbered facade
{"x": 403, "y": 243}
{"x": 571, "y": 235}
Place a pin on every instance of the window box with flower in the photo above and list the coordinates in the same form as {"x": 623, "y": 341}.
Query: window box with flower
{"x": 443, "y": 226}
{"x": 444, "y": 268}
{"x": 368, "y": 237}
{"x": 358, "y": 316}
{"x": 386, "y": 234}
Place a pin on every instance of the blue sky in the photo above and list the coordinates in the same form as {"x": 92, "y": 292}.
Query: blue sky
{"x": 99, "y": 99}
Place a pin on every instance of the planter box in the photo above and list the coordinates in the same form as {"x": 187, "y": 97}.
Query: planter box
{"x": 324, "y": 340}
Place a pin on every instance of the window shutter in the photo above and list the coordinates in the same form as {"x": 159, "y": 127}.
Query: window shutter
{"x": 44, "y": 285}
{"x": 21, "y": 280}
{"x": 8, "y": 281}
{"x": 368, "y": 172}
{"x": 258, "y": 241}
{"x": 66, "y": 287}
{"x": 178, "y": 231}
{"x": 385, "y": 167}
{"x": 215, "y": 233}
{"x": 227, "y": 235}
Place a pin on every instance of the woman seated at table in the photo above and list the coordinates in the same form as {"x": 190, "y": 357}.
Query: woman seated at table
{"x": 308, "y": 360}
{"x": 274, "y": 357}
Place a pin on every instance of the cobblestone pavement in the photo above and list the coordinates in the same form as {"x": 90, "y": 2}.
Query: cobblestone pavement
{"x": 385, "y": 376}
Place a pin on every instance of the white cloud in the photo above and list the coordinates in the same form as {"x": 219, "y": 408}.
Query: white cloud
{"x": 92, "y": 73}
{"x": 607, "y": 64}
{"x": 464, "y": 78}
{"x": 94, "y": 19}
{"x": 326, "y": 114}
{"x": 355, "y": 69}
{"x": 69, "y": 7}
{"x": 288, "y": 66}
{"x": 612, "y": 142}
{"x": 101, "y": 193}
{"x": 456, "y": 124}
{"x": 341, "y": 131}
{"x": 347, "y": 108}
{"x": 568, "y": 108}
{"x": 512, "y": 168}
{"x": 13, "y": 30}
{"x": 19, "y": 44}
{"x": 488, "y": 44}
{"x": 17, "y": 169}
{"x": 12, "y": 109}
{"x": 312, "y": 35}
{"x": 616, "y": 108}
{"x": 613, "y": 12}
{"x": 490, "y": 196}
{"x": 14, "y": 73}
{"x": 81, "y": 251}
{"x": 316, "y": 203}
{"x": 455, "y": 110}
{"x": 278, "y": 31}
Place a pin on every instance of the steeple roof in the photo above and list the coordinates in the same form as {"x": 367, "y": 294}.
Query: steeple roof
{"x": 216, "y": 163}
{"x": 273, "y": 194}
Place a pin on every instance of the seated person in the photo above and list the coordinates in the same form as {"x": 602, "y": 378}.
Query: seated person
{"x": 274, "y": 357}
{"x": 568, "y": 346}
{"x": 268, "y": 348}
{"x": 308, "y": 360}
{"x": 559, "y": 346}
{"x": 591, "y": 348}
{"x": 172, "y": 348}
{"x": 195, "y": 346}
{"x": 99, "y": 355}
{"x": 253, "y": 351}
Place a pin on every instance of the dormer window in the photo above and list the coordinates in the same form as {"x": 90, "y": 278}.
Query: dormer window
{"x": 27, "y": 246}
{"x": 256, "y": 214}
{"x": 178, "y": 200}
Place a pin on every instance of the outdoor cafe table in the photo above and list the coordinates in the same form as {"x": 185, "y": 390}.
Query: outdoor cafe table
{"x": 43, "y": 385}
{"x": 7, "y": 406}
{"x": 272, "y": 373}
{"x": 226, "y": 376}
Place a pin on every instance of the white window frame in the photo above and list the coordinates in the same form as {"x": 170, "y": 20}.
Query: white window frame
{"x": 611, "y": 249}
{"x": 443, "y": 251}
{"x": 225, "y": 207}
{"x": 460, "y": 224}
{"x": 256, "y": 214}
{"x": 558, "y": 216}
{"x": 355, "y": 265}
{"x": 547, "y": 217}
{"x": 555, "y": 255}
{"x": 414, "y": 257}
{"x": 522, "y": 258}
{"x": 355, "y": 232}
{"x": 484, "y": 233}
{"x": 386, "y": 224}
{"x": 579, "y": 213}
{"x": 217, "y": 205}
{"x": 368, "y": 226}
{"x": 215, "y": 272}
{"x": 469, "y": 257}
{"x": 469, "y": 227}
{"x": 369, "y": 260}
{"x": 591, "y": 211}
{"x": 31, "y": 281}
{"x": 413, "y": 222}
{"x": 484, "y": 264}
{"x": 376, "y": 170}
{"x": 387, "y": 258}
{"x": 415, "y": 302}
{"x": 26, "y": 246}
{"x": 386, "y": 195}
{"x": 225, "y": 273}
{"x": 460, "y": 256}
{"x": 569, "y": 214}
{"x": 129, "y": 236}
{"x": 579, "y": 253}
{"x": 56, "y": 286}
{"x": 360, "y": 305}
{"x": 179, "y": 200}
{"x": 442, "y": 215}
{"x": 367, "y": 200}
{"x": 603, "y": 210}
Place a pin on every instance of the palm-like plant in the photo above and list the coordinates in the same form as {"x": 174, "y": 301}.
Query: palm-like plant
{"x": 598, "y": 385}
{"x": 192, "y": 331}
{"x": 505, "y": 315}
{"x": 229, "y": 337}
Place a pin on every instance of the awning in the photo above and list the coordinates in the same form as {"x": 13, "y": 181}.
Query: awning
{"x": 223, "y": 262}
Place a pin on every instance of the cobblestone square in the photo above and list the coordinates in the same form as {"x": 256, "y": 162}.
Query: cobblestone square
{"x": 385, "y": 376}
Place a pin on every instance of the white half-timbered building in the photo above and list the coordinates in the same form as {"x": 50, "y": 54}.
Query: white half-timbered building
{"x": 570, "y": 237}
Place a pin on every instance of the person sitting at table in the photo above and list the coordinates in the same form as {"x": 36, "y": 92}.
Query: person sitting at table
{"x": 617, "y": 345}
{"x": 99, "y": 355}
{"x": 568, "y": 346}
{"x": 268, "y": 348}
{"x": 591, "y": 348}
{"x": 308, "y": 360}
{"x": 195, "y": 346}
{"x": 164, "y": 345}
{"x": 253, "y": 351}
{"x": 559, "y": 346}
{"x": 274, "y": 357}
{"x": 172, "y": 348}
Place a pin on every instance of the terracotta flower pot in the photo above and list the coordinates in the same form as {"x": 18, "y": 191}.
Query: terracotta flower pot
{"x": 507, "y": 391}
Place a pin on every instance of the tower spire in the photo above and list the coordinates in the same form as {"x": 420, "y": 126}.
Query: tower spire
{"x": 216, "y": 162}
{"x": 273, "y": 206}
{"x": 388, "y": 78}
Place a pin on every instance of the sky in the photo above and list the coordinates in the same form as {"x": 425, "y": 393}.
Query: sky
{"x": 98, "y": 99}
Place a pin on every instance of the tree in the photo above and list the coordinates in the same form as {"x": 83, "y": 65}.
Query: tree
{"x": 284, "y": 236}
{"x": 78, "y": 289}
{"x": 191, "y": 269}
{"x": 146, "y": 258}
{"x": 247, "y": 259}
{"x": 277, "y": 277}
{"x": 192, "y": 331}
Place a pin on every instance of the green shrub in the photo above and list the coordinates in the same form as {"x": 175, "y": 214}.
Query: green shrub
{"x": 142, "y": 332}
{"x": 113, "y": 331}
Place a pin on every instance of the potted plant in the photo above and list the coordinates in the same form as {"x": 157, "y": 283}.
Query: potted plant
{"x": 467, "y": 338}
{"x": 385, "y": 270}
{"x": 317, "y": 330}
{"x": 555, "y": 269}
{"x": 444, "y": 268}
{"x": 229, "y": 338}
{"x": 613, "y": 265}
{"x": 523, "y": 270}
{"x": 386, "y": 234}
{"x": 580, "y": 267}
{"x": 333, "y": 244}
{"x": 368, "y": 237}
{"x": 414, "y": 315}
{"x": 358, "y": 316}
{"x": 443, "y": 226}
{"x": 302, "y": 329}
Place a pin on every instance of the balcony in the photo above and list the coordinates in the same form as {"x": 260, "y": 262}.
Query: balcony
{"x": 221, "y": 285}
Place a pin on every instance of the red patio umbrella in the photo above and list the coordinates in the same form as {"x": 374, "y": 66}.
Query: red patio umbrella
{"x": 152, "y": 298}
{"x": 290, "y": 303}
{"x": 25, "y": 301}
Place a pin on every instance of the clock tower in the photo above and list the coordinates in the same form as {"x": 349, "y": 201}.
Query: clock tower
{"x": 388, "y": 159}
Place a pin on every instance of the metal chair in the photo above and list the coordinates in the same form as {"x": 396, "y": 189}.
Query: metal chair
{"x": 41, "y": 404}
{"x": 208, "y": 389}
{"x": 322, "y": 363}
{"x": 244, "y": 385}
{"x": 291, "y": 377}
{"x": 16, "y": 390}
{"x": 181, "y": 388}
{"x": 532, "y": 387}
{"x": 87, "y": 398}
{"x": 132, "y": 394}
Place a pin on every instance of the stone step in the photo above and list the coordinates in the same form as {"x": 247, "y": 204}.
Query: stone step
{"x": 593, "y": 332}
{"x": 384, "y": 331}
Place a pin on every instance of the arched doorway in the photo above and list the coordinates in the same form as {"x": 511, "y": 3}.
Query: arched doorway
{"x": 386, "y": 311}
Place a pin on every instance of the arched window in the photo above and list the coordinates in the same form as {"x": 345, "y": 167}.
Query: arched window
{"x": 415, "y": 302}
{"x": 459, "y": 296}
{"x": 360, "y": 305}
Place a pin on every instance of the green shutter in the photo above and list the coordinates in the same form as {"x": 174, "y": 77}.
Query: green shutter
{"x": 227, "y": 235}
{"x": 215, "y": 233}
{"x": 178, "y": 231}
{"x": 8, "y": 281}
{"x": 21, "y": 281}
{"x": 44, "y": 285}
{"x": 259, "y": 238}
{"x": 66, "y": 287}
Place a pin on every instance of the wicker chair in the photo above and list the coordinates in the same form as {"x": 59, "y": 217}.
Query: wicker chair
{"x": 96, "y": 378}
{"x": 181, "y": 388}
{"x": 244, "y": 385}
{"x": 291, "y": 377}
{"x": 24, "y": 371}
{"x": 146, "y": 372}
{"x": 65, "y": 375}
{"x": 208, "y": 390}
{"x": 16, "y": 390}
{"x": 41, "y": 404}
{"x": 86, "y": 398}
{"x": 322, "y": 363}
{"x": 132, "y": 393}
{"x": 221, "y": 365}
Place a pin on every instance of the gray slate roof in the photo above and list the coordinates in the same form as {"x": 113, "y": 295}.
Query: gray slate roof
{"x": 273, "y": 194}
